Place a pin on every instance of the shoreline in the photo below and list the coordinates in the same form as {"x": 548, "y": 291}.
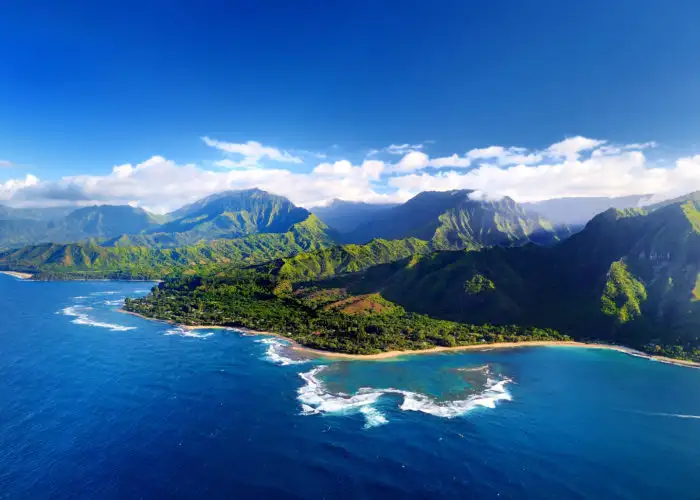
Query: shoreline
{"x": 20, "y": 276}
{"x": 433, "y": 350}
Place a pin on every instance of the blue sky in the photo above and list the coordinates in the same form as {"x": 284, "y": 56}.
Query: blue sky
{"x": 87, "y": 86}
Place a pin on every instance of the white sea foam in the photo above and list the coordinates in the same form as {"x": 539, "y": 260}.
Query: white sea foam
{"x": 315, "y": 398}
{"x": 373, "y": 417}
{"x": 82, "y": 318}
{"x": 105, "y": 293}
{"x": 493, "y": 392}
{"x": 118, "y": 302}
{"x": 184, "y": 332}
{"x": 674, "y": 415}
{"x": 80, "y": 297}
{"x": 275, "y": 352}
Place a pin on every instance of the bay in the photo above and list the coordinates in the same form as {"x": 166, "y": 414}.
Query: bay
{"x": 95, "y": 403}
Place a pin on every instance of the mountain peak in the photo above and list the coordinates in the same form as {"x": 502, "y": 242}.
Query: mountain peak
{"x": 453, "y": 220}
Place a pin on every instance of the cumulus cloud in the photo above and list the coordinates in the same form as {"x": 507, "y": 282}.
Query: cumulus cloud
{"x": 622, "y": 174}
{"x": 505, "y": 156}
{"x": 369, "y": 169}
{"x": 251, "y": 152}
{"x": 162, "y": 185}
{"x": 415, "y": 160}
{"x": 572, "y": 147}
{"x": 451, "y": 161}
{"x": 576, "y": 166}
{"x": 9, "y": 188}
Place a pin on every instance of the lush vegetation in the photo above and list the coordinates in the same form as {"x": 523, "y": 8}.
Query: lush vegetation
{"x": 452, "y": 220}
{"x": 343, "y": 259}
{"x": 227, "y": 215}
{"x": 251, "y": 300}
{"x": 629, "y": 277}
{"x": 623, "y": 294}
{"x": 91, "y": 222}
{"x": 92, "y": 260}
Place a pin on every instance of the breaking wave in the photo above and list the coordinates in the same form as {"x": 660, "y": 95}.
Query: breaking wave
{"x": 315, "y": 398}
{"x": 673, "y": 415}
{"x": 184, "y": 332}
{"x": 81, "y": 318}
{"x": 275, "y": 352}
{"x": 118, "y": 302}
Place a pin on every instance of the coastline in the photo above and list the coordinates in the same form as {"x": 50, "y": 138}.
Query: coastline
{"x": 15, "y": 274}
{"x": 433, "y": 350}
{"x": 499, "y": 345}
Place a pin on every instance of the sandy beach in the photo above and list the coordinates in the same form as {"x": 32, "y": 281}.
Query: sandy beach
{"x": 22, "y": 276}
{"x": 435, "y": 350}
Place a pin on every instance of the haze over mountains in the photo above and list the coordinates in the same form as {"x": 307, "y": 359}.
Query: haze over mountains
{"x": 577, "y": 211}
{"x": 253, "y": 225}
{"x": 226, "y": 215}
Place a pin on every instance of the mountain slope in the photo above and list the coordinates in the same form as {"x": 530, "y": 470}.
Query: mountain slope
{"x": 84, "y": 223}
{"x": 630, "y": 276}
{"x": 90, "y": 259}
{"x": 231, "y": 214}
{"x": 452, "y": 220}
{"x": 36, "y": 214}
{"x": 100, "y": 222}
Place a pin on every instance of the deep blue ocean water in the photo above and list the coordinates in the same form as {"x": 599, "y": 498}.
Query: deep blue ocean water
{"x": 95, "y": 403}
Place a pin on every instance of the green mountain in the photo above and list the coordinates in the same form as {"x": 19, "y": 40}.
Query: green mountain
{"x": 453, "y": 220}
{"x": 231, "y": 214}
{"x": 91, "y": 222}
{"x": 91, "y": 259}
{"x": 343, "y": 259}
{"x": 630, "y": 276}
{"x": 227, "y": 215}
{"x": 36, "y": 214}
{"x": 101, "y": 222}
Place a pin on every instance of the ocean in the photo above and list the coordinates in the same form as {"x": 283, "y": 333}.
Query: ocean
{"x": 95, "y": 403}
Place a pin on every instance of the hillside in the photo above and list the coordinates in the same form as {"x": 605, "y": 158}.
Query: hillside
{"x": 631, "y": 277}
{"x": 35, "y": 214}
{"x": 453, "y": 220}
{"x": 84, "y": 223}
{"x": 229, "y": 215}
{"x": 90, "y": 259}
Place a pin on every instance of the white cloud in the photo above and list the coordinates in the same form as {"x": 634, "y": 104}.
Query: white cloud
{"x": 450, "y": 161}
{"x": 505, "y": 156}
{"x": 402, "y": 149}
{"x": 572, "y": 147}
{"x": 162, "y": 185}
{"x": 622, "y": 174}
{"x": 370, "y": 169}
{"x": 252, "y": 152}
{"x": 573, "y": 167}
{"x": 396, "y": 149}
{"x": 12, "y": 186}
{"x": 415, "y": 160}
{"x": 6, "y": 163}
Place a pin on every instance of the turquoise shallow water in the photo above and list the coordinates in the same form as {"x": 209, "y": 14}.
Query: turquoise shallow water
{"x": 98, "y": 404}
